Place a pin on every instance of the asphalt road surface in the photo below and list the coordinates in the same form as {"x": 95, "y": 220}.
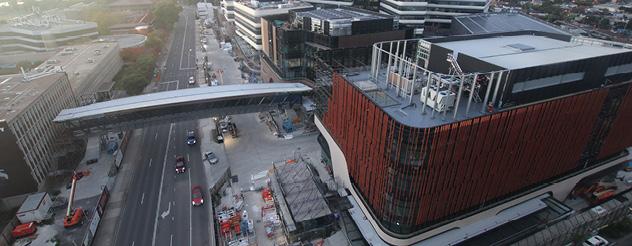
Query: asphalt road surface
{"x": 158, "y": 208}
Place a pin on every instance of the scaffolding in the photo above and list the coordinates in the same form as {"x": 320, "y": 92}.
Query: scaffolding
{"x": 402, "y": 67}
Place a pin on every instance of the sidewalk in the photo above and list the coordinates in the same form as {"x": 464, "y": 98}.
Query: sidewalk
{"x": 219, "y": 60}
{"x": 213, "y": 173}
{"x": 106, "y": 234}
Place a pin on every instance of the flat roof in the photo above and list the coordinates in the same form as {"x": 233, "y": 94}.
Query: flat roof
{"x": 399, "y": 107}
{"x": 340, "y": 14}
{"x": 521, "y": 51}
{"x": 504, "y": 22}
{"x": 184, "y": 96}
{"x": 74, "y": 60}
{"x": 16, "y": 95}
{"x": 282, "y": 4}
{"x": 36, "y": 24}
{"x": 300, "y": 191}
{"x": 123, "y": 3}
{"x": 31, "y": 202}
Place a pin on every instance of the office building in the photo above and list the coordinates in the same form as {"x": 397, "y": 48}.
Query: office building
{"x": 28, "y": 137}
{"x": 443, "y": 139}
{"x": 431, "y": 17}
{"x": 293, "y": 42}
{"x": 90, "y": 67}
{"x": 248, "y": 17}
{"x": 38, "y": 32}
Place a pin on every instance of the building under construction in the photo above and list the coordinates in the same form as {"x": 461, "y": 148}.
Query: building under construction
{"x": 300, "y": 199}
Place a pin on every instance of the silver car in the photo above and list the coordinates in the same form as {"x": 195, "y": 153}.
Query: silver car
{"x": 211, "y": 158}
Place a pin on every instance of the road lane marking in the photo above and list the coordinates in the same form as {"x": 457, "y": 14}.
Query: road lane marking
{"x": 169, "y": 82}
{"x": 162, "y": 178}
{"x": 184, "y": 38}
{"x": 133, "y": 243}
{"x": 150, "y": 162}
{"x": 171, "y": 240}
{"x": 156, "y": 136}
{"x": 188, "y": 160}
{"x": 166, "y": 213}
{"x": 142, "y": 199}
{"x": 190, "y": 214}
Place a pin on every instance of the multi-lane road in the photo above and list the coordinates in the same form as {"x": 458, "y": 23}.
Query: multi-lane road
{"x": 158, "y": 208}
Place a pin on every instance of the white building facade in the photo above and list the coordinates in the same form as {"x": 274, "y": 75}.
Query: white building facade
{"x": 431, "y": 14}
{"x": 248, "y": 17}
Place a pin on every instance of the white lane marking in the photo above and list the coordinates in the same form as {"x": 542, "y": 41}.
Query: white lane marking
{"x": 162, "y": 178}
{"x": 166, "y": 213}
{"x": 184, "y": 39}
{"x": 142, "y": 199}
{"x": 171, "y": 240}
{"x": 169, "y": 82}
{"x": 150, "y": 160}
{"x": 133, "y": 243}
{"x": 188, "y": 159}
{"x": 190, "y": 215}
{"x": 156, "y": 136}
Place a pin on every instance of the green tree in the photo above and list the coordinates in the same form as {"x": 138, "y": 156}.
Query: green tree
{"x": 146, "y": 63}
{"x": 104, "y": 19}
{"x": 154, "y": 41}
{"x": 604, "y": 23}
{"x": 165, "y": 14}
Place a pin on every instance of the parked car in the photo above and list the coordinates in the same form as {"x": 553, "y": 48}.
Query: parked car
{"x": 196, "y": 196}
{"x": 180, "y": 164}
{"x": 595, "y": 241}
{"x": 211, "y": 157}
{"x": 191, "y": 80}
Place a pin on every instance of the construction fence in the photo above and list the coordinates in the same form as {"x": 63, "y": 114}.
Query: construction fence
{"x": 578, "y": 226}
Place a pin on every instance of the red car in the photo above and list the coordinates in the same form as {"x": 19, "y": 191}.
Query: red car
{"x": 180, "y": 164}
{"x": 196, "y": 196}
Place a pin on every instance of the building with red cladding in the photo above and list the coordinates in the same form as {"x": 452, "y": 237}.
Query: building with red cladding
{"x": 443, "y": 132}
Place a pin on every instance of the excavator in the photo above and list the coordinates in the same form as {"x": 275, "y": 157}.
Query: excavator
{"x": 73, "y": 217}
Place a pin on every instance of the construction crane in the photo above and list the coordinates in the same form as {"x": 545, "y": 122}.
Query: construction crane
{"x": 73, "y": 217}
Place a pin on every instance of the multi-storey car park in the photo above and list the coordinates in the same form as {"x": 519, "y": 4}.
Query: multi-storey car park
{"x": 40, "y": 32}
{"x": 448, "y": 133}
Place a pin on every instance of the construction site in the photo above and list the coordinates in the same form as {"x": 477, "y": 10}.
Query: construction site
{"x": 284, "y": 205}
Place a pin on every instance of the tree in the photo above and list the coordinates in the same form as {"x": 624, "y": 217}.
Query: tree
{"x": 154, "y": 41}
{"x": 165, "y": 14}
{"x": 628, "y": 26}
{"x": 145, "y": 63}
{"x": 104, "y": 19}
{"x": 604, "y": 23}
